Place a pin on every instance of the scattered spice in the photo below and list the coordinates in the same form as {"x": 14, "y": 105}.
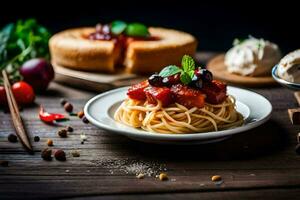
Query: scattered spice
{"x": 163, "y": 177}
{"x": 216, "y": 178}
{"x": 140, "y": 176}
{"x": 36, "y": 138}
{"x": 60, "y": 155}
{"x": 50, "y": 142}
{"x": 83, "y": 138}
{"x": 75, "y": 153}
{"x": 80, "y": 114}
{"x": 297, "y": 149}
{"x": 67, "y": 171}
{"x": 68, "y": 107}
{"x": 63, "y": 101}
{"x": 12, "y": 138}
{"x": 130, "y": 166}
{"x": 62, "y": 133}
{"x": 46, "y": 154}
{"x": 69, "y": 128}
{"x": 85, "y": 120}
{"x": 4, "y": 163}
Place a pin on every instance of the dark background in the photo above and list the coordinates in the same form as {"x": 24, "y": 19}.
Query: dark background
{"x": 214, "y": 23}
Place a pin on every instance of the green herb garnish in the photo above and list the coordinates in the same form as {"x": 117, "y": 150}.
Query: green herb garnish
{"x": 20, "y": 42}
{"x": 118, "y": 27}
{"x": 186, "y": 72}
{"x": 131, "y": 29}
{"x": 137, "y": 30}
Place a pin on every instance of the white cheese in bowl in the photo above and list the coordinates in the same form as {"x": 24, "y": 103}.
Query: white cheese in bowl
{"x": 289, "y": 67}
{"x": 252, "y": 57}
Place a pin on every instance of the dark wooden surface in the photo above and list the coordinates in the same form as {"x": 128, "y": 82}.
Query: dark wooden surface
{"x": 259, "y": 164}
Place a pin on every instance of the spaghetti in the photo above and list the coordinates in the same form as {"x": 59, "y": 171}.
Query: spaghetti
{"x": 176, "y": 118}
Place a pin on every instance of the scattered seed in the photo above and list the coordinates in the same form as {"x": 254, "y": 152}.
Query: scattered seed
{"x": 163, "y": 177}
{"x": 297, "y": 149}
{"x": 216, "y": 178}
{"x": 140, "y": 176}
{"x": 62, "y": 133}
{"x": 12, "y": 138}
{"x": 85, "y": 120}
{"x": 75, "y": 153}
{"x": 68, "y": 107}
{"x": 50, "y": 142}
{"x": 60, "y": 155}
{"x": 46, "y": 154}
{"x": 63, "y": 101}
{"x": 298, "y": 137}
{"x": 36, "y": 138}
{"x": 83, "y": 137}
{"x": 80, "y": 114}
{"x": 4, "y": 163}
{"x": 67, "y": 171}
{"x": 69, "y": 129}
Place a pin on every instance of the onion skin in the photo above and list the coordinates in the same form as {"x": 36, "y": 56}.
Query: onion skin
{"x": 38, "y": 72}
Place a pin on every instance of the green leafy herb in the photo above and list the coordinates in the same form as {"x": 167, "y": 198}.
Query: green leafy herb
{"x": 186, "y": 72}
{"x": 185, "y": 78}
{"x": 169, "y": 71}
{"x": 137, "y": 30}
{"x": 187, "y": 63}
{"x": 20, "y": 42}
{"x": 118, "y": 27}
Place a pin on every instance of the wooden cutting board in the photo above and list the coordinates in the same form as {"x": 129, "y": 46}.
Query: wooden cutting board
{"x": 94, "y": 81}
{"x": 217, "y": 67}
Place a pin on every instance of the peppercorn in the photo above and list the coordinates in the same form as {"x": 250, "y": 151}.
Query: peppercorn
{"x": 85, "y": 120}
{"x": 60, "y": 155}
{"x": 12, "y": 138}
{"x": 36, "y": 138}
{"x": 50, "y": 142}
{"x": 80, "y": 114}
{"x": 75, "y": 153}
{"x": 68, "y": 107}
{"x": 69, "y": 128}
{"x": 46, "y": 154}
{"x": 62, "y": 133}
{"x": 63, "y": 101}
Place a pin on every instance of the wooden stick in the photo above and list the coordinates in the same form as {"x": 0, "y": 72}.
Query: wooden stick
{"x": 15, "y": 114}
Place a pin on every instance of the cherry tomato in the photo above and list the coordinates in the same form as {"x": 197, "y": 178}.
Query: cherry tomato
{"x": 23, "y": 93}
{"x": 3, "y": 99}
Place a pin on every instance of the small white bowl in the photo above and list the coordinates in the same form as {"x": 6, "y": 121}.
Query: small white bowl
{"x": 290, "y": 85}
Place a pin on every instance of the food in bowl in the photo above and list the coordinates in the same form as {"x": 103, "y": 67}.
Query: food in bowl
{"x": 289, "y": 67}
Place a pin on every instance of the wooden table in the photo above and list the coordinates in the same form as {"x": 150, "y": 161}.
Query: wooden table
{"x": 260, "y": 164}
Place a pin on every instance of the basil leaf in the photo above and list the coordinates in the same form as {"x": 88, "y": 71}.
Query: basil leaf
{"x": 137, "y": 30}
{"x": 169, "y": 71}
{"x": 185, "y": 78}
{"x": 188, "y": 63}
{"x": 117, "y": 27}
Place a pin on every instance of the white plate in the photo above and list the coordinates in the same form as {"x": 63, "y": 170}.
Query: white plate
{"x": 99, "y": 110}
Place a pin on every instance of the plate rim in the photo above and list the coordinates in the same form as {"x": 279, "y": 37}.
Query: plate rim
{"x": 175, "y": 137}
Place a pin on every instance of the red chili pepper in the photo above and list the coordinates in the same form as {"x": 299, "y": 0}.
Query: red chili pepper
{"x": 50, "y": 117}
